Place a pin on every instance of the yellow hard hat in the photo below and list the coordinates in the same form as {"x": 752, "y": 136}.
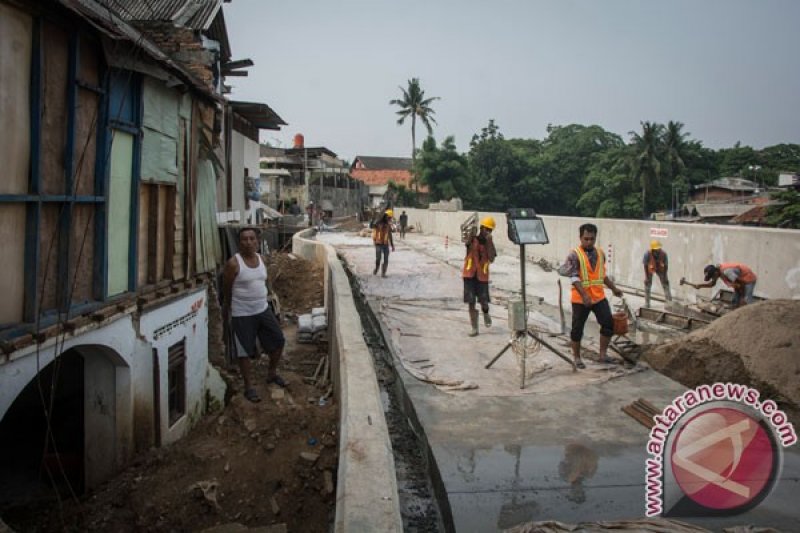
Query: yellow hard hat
{"x": 390, "y": 212}
{"x": 655, "y": 245}
{"x": 488, "y": 222}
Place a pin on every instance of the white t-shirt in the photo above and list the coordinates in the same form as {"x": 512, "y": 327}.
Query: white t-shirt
{"x": 249, "y": 295}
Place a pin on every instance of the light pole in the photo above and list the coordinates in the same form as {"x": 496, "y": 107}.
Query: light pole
{"x": 754, "y": 169}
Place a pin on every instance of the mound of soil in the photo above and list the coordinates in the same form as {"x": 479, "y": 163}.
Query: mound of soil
{"x": 756, "y": 345}
{"x": 299, "y": 283}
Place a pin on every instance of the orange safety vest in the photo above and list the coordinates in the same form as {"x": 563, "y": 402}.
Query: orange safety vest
{"x": 748, "y": 276}
{"x": 656, "y": 266}
{"x": 380, "y": 233}
{"x": 591, "y": 279}
{"x": 477, "y": 261}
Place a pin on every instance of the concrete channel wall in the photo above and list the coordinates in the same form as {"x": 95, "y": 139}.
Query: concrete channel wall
{"x": 366, "y": 491}
{"x": 774, "y": 254}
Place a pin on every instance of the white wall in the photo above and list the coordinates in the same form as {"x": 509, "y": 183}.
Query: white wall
{"x": 244, "y": 154}
{"x": 118, "y": 377}
{"x": 774, "y": 254}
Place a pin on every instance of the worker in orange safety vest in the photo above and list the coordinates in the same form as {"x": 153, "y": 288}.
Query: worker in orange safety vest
{"x": 738, "y": 276}
{"x": 480, "y": 252}
{"x": 585, "y": 266}
{"x": 656, "y": 262}
{"x": 382, "y": 239}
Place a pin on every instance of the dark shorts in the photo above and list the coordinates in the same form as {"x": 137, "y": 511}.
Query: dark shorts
{"x": 476, "y": 290}
{"x": 264, "y": 327}
{"x": 601, "y": 310}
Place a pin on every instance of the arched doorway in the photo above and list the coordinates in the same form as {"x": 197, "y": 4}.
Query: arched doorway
{"x": 64, "y": 433}
{"x": 42, "y": 444}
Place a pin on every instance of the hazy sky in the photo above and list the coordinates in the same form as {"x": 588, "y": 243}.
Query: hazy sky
{"x": 728, "y": 69}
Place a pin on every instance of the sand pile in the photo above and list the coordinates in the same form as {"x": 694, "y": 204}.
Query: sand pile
{"x": 756, "y": 345}
{"x": 299, "y": 283}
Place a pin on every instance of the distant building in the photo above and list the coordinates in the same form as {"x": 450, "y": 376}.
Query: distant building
{"x": 378, "y": 172}
{"x": 723, "y": 190}
{"x": 311, "y": 174}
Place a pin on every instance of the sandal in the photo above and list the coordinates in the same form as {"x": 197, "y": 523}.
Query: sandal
{"x": 277, "y": 380}
{"x": 252, "y": 395}
{"x": 580, "y": 364}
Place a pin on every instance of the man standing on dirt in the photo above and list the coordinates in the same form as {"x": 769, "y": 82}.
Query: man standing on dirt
{"x": 585, "y": 266}
{"x": 480, "y": 252}
{"x": 655, "y": 262}
{"x": 244, "y": 286}
{"x": 382, "y": 239}
{"x": 403, "y": 224}
{"x": 738, "y": 276}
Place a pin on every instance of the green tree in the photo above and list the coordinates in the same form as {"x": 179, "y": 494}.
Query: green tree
{"x": 495, "y": 167}
{"x": 609, "y": 191}
{"x": 786, "y": 214}
{"x": 444, "y": 171}
{"x": 414, "y": 104}
{"x": 646, "y": 165}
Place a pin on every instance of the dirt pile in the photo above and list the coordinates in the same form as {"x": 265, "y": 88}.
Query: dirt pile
{"x": 757, "y": 345}
{"x": 299, "y": 283}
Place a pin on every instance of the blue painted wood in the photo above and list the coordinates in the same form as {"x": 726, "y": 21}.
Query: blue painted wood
{"x": 133, "y": 263}
{"x": 53, "y": 198}
{"x": 102, "y": 155}
{"x": 34, "y": 210}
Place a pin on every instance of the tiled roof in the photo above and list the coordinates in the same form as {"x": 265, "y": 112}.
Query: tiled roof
{"x": 383, "y": 177}
{"x": 382, "y": 163}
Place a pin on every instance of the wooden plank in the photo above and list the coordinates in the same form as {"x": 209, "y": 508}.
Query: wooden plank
{"x": 151, "y": 227}
{"x": 169, "y": 232}
{"x": 119, "y": 206}
{"x": 55, "y": 43}
{"x": 143, "y": 235}
{"x": 82, "y": 259}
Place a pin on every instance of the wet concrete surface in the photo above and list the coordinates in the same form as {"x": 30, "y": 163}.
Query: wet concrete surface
{"x": 570, "y": 454}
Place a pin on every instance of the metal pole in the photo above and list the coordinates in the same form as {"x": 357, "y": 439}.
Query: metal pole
{"x": 525, "y": 315}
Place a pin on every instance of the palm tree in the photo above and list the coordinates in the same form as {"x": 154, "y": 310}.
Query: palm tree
{"x": 675, "y": 148}
{"x": 415, "y": 104}
{"x": 646, "y": 164}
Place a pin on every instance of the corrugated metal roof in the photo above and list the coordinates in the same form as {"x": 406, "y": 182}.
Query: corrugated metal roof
{"x": 194, "y": 14}
{"x": 106, "y": 19}
{"x": 259, "y": 115}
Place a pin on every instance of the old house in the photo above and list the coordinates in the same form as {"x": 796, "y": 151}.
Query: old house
{"x": 378, "y": 172}
{"x": 315, "y": 174}
{"x": 112, "y": 150}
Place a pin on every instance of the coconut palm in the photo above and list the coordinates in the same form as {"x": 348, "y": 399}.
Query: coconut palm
{"x": 415, "y": 105}
{"x": 646, "y": 164}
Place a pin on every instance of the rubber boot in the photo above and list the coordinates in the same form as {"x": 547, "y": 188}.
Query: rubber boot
{"x": 487, "y": 319}
{"x": 473, "y": 319}
{"x": 383, "y": 270}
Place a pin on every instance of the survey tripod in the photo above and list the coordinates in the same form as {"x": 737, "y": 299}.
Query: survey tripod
{"x": 520, "y": 234}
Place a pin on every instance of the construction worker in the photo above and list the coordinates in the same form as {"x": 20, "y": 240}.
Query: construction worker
{"x": 480, "y": 252}
{"x": 738, "y": 276}
{"x": 382, "y": 238}
{"x": 585, "y": 266}
{"x": 655, "y": 262}
{"x": 403, "y": 224}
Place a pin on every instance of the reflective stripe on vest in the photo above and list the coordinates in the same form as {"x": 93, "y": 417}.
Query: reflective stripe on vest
{"x": 652, "y": 266}
{"x": 591, "y": 280}
{"x": 476, "y": 263}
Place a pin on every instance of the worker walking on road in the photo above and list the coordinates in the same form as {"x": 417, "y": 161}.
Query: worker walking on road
{"x": 585, "y": 266}
{"x": 382, "y": 238}
{"x": 738, "y": 276}
{"x": 656, "y": 262}
{"x": 480, "y": 252}
{"x": 403, "y": 224}
{"x": 244, "y": 286}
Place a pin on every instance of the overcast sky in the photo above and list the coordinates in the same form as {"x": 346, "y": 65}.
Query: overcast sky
{"x": 728, "y": 69}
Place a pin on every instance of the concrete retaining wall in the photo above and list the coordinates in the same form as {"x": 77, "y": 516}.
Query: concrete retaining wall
{"x": 366, "y": 492}
{"x": 774, "y": 254}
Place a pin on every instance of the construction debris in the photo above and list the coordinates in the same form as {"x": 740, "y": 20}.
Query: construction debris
{"x": 313, "y": 327}
{"x": 642, "y": 411}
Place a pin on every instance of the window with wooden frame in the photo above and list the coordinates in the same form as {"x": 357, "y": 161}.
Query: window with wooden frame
{"x": 176, "y": 381}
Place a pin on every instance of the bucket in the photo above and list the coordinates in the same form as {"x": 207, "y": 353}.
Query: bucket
{"x": 620, "y": 322}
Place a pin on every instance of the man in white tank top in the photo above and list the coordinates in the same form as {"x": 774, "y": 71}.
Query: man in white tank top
{"x": 244, "y": 287}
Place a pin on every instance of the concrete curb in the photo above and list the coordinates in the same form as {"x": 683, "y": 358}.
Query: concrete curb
{"x": 366, "y": 492}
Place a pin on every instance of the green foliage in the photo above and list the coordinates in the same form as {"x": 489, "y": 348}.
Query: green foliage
{"x": 444, "y": 171}
{"x": 414, "y": 104}
{"x": 787, "y": 213}
{"x": 399, "y": 194}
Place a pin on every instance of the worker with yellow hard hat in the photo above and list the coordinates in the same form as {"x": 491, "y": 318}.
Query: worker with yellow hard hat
{"x": 655, "y": 262}
{"x": 480, "y": 252}
{"x": 382, "y": 239}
